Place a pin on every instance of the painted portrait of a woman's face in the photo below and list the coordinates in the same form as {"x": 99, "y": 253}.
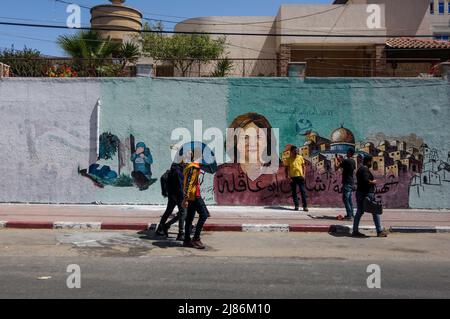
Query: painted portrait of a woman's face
{"x": 249, "y": 142}
{"x": 252, "y": 143}
{"x": 252, "y": 138}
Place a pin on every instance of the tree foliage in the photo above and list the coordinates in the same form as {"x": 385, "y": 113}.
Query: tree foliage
{"x": 109, "y": 145}
{"x": 24, "y": 63}
{"x": 182, "y": 50}
{"x": 99, "y": 56}
{"x": 223, "y": 68}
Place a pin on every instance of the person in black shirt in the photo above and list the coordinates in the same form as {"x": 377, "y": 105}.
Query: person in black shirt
{"x": 175, "y": 198}
{"x": 348, "y": 166}
{"x": 366, "y": 188}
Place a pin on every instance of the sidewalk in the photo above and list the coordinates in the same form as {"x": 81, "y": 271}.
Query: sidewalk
{"x": 236, "y": 218}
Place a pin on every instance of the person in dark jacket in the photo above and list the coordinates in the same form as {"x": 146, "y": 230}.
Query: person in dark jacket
{"x": 142, "y": 161}
{"x": 365, "y": 188}
{"x": 348, "y": 167}
{"x": 175, "y": 198}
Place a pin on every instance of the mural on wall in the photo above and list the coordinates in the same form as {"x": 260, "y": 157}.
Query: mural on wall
{"x": 142, "y": 161}
{"x": 322, "y": 117}
{"x": 395, "y": 162}
{"x": 401, "y": 165}
{"x": 435, "y": 173}
{"x": 233, "y": 182}
{"x": 398, "y": 165}
{"x": 112, "y": 152}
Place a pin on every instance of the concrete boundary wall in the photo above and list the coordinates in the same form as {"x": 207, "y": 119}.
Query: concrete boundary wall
{"x": 51, "y": 129}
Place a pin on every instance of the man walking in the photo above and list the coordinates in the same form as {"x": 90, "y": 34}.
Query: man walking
{"x": 295, "y": 173}
{"x": 366, "y": 188}
{"x": 193, "y": 202}
{"x": 348, "y": 167}
{"x": 175, "y": 198}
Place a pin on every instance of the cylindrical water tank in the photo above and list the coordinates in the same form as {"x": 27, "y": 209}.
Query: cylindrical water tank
{"x": 118, "y": 17}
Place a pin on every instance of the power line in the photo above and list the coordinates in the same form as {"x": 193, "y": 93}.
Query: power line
{"x": 340, "y": 49}
{"x": 321, "y": 50}
{"x": 25, "y": 37}
{"x": 51, "y": 26}
{"x": 251, "y": 24}
{"x": 335, "y": 23}
{"x": 31, "y": 20}
{"x": 225, "y": 23}
{"x": 325, "y": 29}
{"x": 264, "y": 22}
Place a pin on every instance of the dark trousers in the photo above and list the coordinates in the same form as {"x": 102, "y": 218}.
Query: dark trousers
{"x": 360, "y": 212}
{"x": 300, "y": 182}
{"x": 199, "y": 206}
{"x": 180, "y": 217}
{"x": 347, "y": 192}
{"x": 140, "y": 180}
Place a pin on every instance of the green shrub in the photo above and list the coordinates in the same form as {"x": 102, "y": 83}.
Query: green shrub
{"x": 25, "y": 63}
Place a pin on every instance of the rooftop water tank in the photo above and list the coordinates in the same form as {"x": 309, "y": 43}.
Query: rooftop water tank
{"x": 118, "y": 17}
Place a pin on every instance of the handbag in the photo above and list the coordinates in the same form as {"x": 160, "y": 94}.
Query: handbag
{"x": 372, "y": 206}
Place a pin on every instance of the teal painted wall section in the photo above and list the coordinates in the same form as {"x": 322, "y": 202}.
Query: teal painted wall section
{"x": 286, "y": 101}
{"x": 366, "y": 106}
{"x": 150, "y": 109}
{"x": 416, "y": 111}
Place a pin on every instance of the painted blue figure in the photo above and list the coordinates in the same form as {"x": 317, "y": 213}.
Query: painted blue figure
{"x": 103, "y": 172}
{"x": 142, "y": 160}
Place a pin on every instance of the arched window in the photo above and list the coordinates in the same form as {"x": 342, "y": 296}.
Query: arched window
{"x": 375, "y": 166}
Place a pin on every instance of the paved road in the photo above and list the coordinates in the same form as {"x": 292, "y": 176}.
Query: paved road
{"x": 241, "y": 265}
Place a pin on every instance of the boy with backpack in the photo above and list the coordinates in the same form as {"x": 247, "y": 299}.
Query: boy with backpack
{"x": 172, "y": 188}
{"x": 193, "y": 202}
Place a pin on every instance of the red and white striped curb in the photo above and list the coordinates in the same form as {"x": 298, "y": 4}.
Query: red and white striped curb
{"x": 284, "y": 228}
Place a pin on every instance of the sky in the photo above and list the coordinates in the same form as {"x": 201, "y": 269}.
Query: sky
{"x": 52, "y": 12}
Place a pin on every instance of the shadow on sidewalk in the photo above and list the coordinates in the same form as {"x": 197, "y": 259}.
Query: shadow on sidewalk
{"x": 323, "y": 217}
{"x": 164, "y": 244}
{"x": 343, "y": 231}
{"x": 339, "y": 234}
{"x": 279, "y": 208}
{"x": 349, "y": 235}
{"x": 158, "y": 240}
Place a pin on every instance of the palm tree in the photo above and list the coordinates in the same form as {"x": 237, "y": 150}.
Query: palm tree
{"x": 92, "y": 52}
{"x": 129, "y": 53}
{"x": 88, "y": 49}
{"x": 223, "y": 68}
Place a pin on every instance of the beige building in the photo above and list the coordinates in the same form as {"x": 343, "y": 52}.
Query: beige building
{"x": 301, "y": 33}
{"x": 440, "y": 19}
{"x": 325, "y": 56}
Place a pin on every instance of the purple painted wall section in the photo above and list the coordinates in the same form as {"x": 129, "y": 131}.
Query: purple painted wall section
{"x": 233, "y": 187}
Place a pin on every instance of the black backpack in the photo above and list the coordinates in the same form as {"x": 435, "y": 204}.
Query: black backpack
{"x": 165, "y": 184}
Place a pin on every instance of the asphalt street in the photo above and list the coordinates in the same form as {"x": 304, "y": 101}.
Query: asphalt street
{"x": 33, "y": 264}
